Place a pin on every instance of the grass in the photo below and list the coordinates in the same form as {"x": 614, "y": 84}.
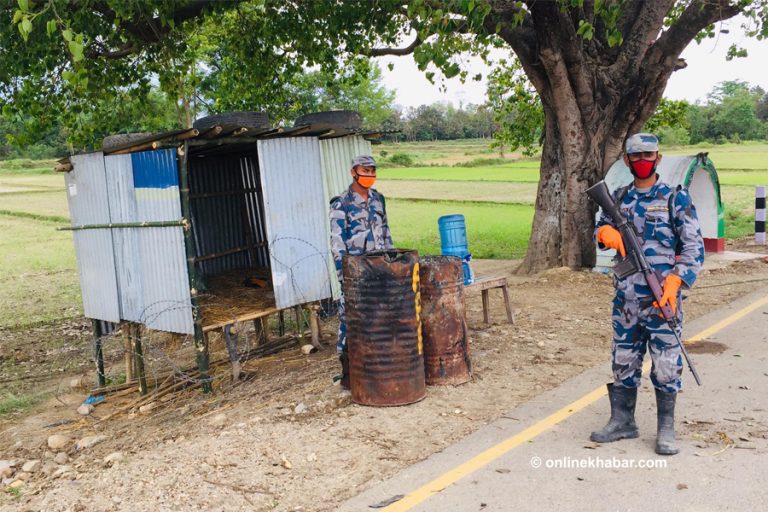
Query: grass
{"x": 27, "y": 166}
{"x": 745, "y": 178}
{"x": 37, "y": 273}
{"x": 523, "y": 171}
{"x": 51, "y": 205}
{"x": 497, "y": 192}
{"x": 493, "y": 230}
{"x": 11, "y": 403}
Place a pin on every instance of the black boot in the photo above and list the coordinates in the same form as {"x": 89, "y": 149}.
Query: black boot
{"x": 665, "y": 430}
{"x": 622, "y": 423}
{"x": 344, "y": 359}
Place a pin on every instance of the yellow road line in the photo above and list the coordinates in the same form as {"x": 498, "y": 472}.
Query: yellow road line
{"x": 454, "y": 475}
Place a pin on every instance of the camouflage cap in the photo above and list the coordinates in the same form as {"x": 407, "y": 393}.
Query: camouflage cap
{"x": 364, "y": 160}
{"x": 641, "y": 143}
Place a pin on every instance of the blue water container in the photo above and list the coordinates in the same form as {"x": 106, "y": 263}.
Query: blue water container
{"x": 453, "y": 242}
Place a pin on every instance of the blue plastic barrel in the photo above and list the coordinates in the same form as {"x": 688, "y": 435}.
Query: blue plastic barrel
{"x": 453, "y": 242}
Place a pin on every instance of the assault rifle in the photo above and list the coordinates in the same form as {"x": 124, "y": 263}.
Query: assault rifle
{"x": 636, "y": 262}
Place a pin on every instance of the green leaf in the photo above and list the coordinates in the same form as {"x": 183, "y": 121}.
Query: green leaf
{"x": 51, "y": 27}
{"x": 69, "y": 76}
{"x": 67, "y": 34}
{"x": 17, "y": 16}
{"x": 391, "y": 66}
{"x": 452, "y": 70}
{"x": 585, "y": 30}
{"x": 24, "y": 5}
{"x": 76, "y": 49}
{"x": 25, "y": 27}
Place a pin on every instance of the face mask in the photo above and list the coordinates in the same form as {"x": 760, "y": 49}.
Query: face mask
{"x": 365, "y": 181}
{"x": 643, "y": 168}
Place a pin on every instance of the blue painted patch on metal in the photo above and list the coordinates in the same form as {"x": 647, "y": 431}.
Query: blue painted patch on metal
{"x": 155, "y": 169}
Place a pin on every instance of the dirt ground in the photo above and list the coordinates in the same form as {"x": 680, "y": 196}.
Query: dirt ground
{"x": 250, "y": 446}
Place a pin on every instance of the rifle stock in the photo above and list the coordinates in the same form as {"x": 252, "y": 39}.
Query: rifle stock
{"x": 600, "y": 194}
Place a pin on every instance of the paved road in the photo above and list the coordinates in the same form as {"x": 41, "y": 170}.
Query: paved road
{"x": 539, "y": 457}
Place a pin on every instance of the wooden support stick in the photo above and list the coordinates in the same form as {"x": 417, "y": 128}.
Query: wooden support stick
{"x": 133, "y": 149}
{"x": 314, "y": 326}
{"x": 128, "y": 355}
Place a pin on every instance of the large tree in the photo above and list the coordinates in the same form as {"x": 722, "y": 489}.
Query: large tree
{"x": 599, "y": 67}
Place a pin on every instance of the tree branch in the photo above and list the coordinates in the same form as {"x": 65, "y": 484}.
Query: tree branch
{"x": 639, "y": 34}
{"x": 380, "y": 52}
{"x": 696, "y": 17}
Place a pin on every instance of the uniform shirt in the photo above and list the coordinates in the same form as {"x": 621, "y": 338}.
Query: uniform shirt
{"x": 660, "y": 231}
{"x": 358, "y": 226}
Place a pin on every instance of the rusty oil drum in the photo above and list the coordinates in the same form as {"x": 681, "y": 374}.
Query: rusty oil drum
{"x": 381, "y": 295}
{"x": 444, "y": 321}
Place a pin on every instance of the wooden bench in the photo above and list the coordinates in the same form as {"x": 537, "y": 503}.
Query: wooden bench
{"x": 484, "y": 284}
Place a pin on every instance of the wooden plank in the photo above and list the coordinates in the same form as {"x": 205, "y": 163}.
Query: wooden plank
{"x": 241, "y": 318}
{"x": 487, "y": 283}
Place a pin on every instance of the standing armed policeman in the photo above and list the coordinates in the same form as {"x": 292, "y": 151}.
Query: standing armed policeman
{"x": 358, "y": 226}
{"x": 666, "y": 224}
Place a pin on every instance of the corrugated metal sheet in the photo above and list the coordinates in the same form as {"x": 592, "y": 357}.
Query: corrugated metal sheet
{"x": 87, "y": 197}
{"x": 296, "y": 219}
{"x": 123, "y": 209}
{"x": 162, "y": 258}
{"x": 226, "y": 210}
{"x": 337, "y": 157}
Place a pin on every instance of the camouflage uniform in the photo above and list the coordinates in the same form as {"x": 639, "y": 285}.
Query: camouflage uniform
{"x": 357, "y": 227}
{"x": 637, "y": 324}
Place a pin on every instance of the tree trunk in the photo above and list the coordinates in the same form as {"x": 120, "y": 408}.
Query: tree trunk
{"x": 564, "y": 218}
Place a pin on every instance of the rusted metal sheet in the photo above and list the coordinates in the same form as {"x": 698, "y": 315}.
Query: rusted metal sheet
{"x": 386, "y": 363}
{"x": 443, "y": 321}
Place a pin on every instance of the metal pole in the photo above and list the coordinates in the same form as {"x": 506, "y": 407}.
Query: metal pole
{"x": 201, "y": 342}
{"x": 760, "y": 215}
{"x": 101, "y": 379}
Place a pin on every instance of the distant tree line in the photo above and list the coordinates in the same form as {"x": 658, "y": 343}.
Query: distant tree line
{"x": 734, "y": 111}
{"x": 441, "y": 121}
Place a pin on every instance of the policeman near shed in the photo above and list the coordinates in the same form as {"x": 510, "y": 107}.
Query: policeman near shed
{"x": 358, "y": 226}
{"x": 666, "y": 223}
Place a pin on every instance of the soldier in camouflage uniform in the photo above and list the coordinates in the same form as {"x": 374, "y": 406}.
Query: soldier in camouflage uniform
{"x": 358, "y": 226}
{"x": 665, "y": 221}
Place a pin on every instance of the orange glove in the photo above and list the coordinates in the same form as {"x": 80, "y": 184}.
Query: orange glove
{"x": 671, "y": 287}
{"x": 611, "y": 238}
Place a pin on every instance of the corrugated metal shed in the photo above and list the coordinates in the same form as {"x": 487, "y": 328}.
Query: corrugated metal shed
{"x": 87, "y": 198}
{"x": 336, "y": 155}
{"x": 296, "y": 219}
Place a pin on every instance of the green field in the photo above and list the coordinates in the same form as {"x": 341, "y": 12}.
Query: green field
{"x": 37, "y": 273}
{"x": 37, "y": 264}
{"x": 493, "y": 230}
{"x": 523, "y": 171}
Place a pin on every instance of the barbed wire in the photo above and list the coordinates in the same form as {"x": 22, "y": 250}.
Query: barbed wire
{"x": 163, "y": 354}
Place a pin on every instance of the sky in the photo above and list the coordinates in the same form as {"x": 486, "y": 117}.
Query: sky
{"x": 706, "y": 68}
